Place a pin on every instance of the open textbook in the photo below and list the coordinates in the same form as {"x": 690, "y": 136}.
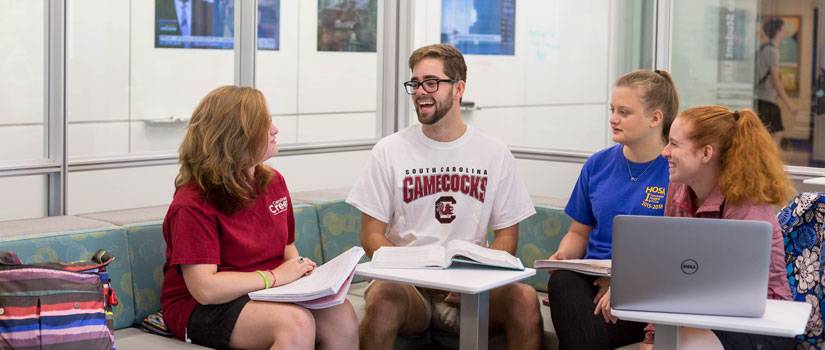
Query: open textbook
{"x": 326, "y": 286}
{"x": 595, "y": 267}
{"x": 441, "y": 257}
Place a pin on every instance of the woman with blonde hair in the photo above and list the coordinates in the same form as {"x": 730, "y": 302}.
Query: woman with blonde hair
{"x": 723, "y": 164}
{"x": 230, "y": 230}
{"x": 628, "y": 178}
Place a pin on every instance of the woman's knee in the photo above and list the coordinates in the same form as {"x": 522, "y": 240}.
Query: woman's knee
{"x": 339, "y": 321}
{"x": 337, "y": 327}
{"x": 296, "y": 329}
{"x": 560, "y": 280}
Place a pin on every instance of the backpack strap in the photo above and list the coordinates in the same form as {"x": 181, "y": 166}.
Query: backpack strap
{"x": 99, "y": 261}
{"x": 103, "y": 257}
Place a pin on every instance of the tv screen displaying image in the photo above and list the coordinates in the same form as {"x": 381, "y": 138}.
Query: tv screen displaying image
{"x": 347, "y": 25}
{"x": 210, "y": 24}
{"x": 479, "y": 27}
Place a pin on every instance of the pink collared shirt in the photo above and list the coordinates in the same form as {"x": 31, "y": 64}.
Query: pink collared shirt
{"x": 680, "y": 204}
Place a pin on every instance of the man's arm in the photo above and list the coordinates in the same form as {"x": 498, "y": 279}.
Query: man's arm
{"x": 780, "y": 90}
{"x": 373, "y": 234}
{"x": 506, "y": 239}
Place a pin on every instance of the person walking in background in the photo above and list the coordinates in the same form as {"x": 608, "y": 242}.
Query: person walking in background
{"x": 769, "y": 85}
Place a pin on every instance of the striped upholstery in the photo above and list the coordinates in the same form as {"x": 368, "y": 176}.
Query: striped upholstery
{"x": 45, "y": 308}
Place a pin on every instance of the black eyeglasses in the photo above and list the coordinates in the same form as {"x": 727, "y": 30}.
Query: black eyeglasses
{"x": 429, "y": 85}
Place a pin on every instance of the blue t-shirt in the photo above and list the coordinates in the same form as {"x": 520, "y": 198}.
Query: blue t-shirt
{"x": 604, "y": 190}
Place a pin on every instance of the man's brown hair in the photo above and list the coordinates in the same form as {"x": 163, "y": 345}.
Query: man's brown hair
{"x": 454, "y": 65}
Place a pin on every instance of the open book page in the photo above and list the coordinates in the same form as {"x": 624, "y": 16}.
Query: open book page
{"x": 595, "y": 267}
{"x": 460, "y": 250}
{"x": 409, "y": 257}
{"x": 325, "y": 280}
{"x": 331, "y": 300}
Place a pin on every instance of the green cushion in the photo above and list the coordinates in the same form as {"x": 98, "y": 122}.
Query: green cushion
{"x": 147, "y": 250}
{"x": 340, "y": 227}
{"x": 340, "y": 223}
{"x": 307, "y": 233}
{"x": 81, "y": 246}
{"x": 539, "y": 236}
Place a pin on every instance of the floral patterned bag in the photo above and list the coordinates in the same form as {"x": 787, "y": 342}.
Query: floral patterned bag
{"x": 804, "y": 236}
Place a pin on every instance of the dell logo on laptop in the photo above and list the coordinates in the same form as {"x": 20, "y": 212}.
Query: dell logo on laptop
{"x": 689, "y": 266}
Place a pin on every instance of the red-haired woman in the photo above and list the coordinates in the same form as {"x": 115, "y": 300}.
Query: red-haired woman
{"x": 723, "y": 164}
{"x": 230, "y": 230}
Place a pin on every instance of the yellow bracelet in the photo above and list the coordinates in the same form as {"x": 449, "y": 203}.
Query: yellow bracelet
{"x": 263, "y": 276}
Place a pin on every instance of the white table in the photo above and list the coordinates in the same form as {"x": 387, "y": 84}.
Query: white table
{"x": 815, "y": 181}
{"x": 474, "y": 283}
{"x": 782, "y": 318}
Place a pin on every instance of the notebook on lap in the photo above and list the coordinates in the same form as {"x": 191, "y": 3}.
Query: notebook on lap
{"x": 690, "y": 265}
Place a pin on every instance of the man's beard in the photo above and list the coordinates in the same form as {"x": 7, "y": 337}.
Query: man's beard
{"x": 440, "y": 111}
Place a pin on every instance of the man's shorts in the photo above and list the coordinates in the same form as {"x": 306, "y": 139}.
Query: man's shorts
{"x": 443, "y": 316}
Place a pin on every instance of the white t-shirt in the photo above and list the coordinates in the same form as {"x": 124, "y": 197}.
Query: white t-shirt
{"x": 431, "y": 192}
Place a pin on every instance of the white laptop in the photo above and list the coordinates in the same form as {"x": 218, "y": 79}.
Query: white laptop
{"x": 690, "y": 265}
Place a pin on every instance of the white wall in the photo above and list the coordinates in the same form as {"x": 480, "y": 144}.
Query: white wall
{"x": 22, "y": 73}
{"x": 23, "y": 197}
{"x": 553, "y": 93}
{"x": 549, "y": 179}
{"x": 117, "y": 79}
{"x": 113, "y": 189}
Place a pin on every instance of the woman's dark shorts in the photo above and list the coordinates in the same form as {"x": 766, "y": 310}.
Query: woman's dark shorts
{"x": 212, "y": 325}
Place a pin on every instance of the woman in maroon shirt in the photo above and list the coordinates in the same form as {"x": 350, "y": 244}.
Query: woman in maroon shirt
{"x": 230, "y": 230}
{"x": 724, "y": 165}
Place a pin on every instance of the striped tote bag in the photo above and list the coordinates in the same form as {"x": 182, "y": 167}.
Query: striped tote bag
{"x": 56, "y": 305}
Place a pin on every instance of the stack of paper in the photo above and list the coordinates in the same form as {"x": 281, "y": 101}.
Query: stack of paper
{"x": 326, "y": 286}
{"x": 593, "y": 267}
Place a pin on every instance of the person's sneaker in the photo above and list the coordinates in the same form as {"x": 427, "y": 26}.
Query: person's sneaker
{"x": 154, "y": 324}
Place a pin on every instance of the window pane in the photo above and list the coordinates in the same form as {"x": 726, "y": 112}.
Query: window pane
{"x": 115, "y": 189}
{"x": 331, "y": 95}
{"x": 131, "y": 88}
{"x": 715, "y": 65}
{"x": 23, "y": 197}
{"x": 728, "y": 63}
{"x": 533, "y": 66}
{"x": 22, "y": 68}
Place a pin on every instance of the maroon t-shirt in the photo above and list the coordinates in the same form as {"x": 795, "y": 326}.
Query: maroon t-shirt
{"x": 253, "y": 238}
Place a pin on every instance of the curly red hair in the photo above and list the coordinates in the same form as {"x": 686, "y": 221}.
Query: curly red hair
{"x": 751, "y": 167}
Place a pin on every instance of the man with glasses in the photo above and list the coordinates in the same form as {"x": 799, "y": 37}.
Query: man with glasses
{"x": 431, "y": 183}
